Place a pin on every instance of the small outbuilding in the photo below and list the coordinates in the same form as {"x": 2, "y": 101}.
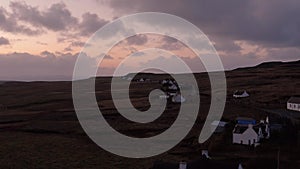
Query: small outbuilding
{"x": 218, "y": 126}
{"x": 294, "y": 103}
{"x": 178, "y": 98}
{"x": 240, "y": 94}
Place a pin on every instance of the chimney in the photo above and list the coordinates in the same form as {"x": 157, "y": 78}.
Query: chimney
{"x": 205, "y": 153}
{"x": 267, "y": 120}
{"x": 250, "y": 125}
{"x": 182, "y": 165}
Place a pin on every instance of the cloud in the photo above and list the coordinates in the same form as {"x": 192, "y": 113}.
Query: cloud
{"x": 47, "y": 54}
{"x": 46, "y": 66}
{"x": 137, "y": 40}
{"x": 269, "y": 24}
{"x": 271, "y": 27}
{"x": 55, "y": 18}
{"x": 169, "y": 43}
{"x": 226, "y": 45}
{"x": 284, "y": 54}
{"x": 8, "y": 23}
{"x": 137, "y": 54}
{"x": 41, "y": 43}
{"x": 77, "y": 44}
{"x": 90, "y": 24}
{"x": 31, "y": 20}
{"x": 4, "y": 41}
{"x": 68, "y": 49}
{"x": 109, "y": 57}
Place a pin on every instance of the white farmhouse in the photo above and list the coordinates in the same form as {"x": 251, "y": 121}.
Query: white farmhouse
{"x": 249, "y": 134}
{"x": 245, "y": 135}
{"x": 293, "y": 103}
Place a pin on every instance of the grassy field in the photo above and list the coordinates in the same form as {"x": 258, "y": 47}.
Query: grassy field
{"x": 39, "y": 128}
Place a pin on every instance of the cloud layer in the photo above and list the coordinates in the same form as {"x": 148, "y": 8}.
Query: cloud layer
{"x": 4, "y": 41}
{"x": 244, "y": 33}
{"x": 31, "y": 20}
{"x": 25, "y": 66}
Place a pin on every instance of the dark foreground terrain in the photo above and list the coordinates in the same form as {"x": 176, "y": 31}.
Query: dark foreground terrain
{"x": 39, "y": 128}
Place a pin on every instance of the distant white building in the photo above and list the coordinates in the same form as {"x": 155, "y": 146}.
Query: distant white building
{"x": 183, "y": 165}
{"x": 293, "y": 104}
{"x": 205, "y": 153}
{"x": 178, "y": 98}
{"x": 129, "y": 78}
{"x": 218, "y": 126}
{"x": 173, "y": 87}
{"x": 240, "y": 94}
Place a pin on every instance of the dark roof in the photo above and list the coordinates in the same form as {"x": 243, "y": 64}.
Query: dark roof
{"x": 244, "y": 118}
{"x": 202, "y": 162}
{"x": 240, "y": 129}
{"x": 294, "y": 99}
{"x": 239, "y": 92}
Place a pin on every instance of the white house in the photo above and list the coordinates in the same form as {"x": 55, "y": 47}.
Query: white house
{"x": 293, "y": 104}
{"x": 240, "y": 94}
{"x": 245, "y": 135}
{"x": 250, "y": 134}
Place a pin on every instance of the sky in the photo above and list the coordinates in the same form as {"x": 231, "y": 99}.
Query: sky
{"x": 41, "y": 40}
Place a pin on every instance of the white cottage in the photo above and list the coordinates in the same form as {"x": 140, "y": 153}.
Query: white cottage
{"x": 245, "y": 135}
{"x": 240, "y": 94}
{"x": 293, "y": 103}
{"x": 251, "y": 134}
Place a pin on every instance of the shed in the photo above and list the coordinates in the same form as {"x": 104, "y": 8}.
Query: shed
{"x": 240, "y": 94}
{"x": 218, "y": 126}
{"x": 294, "y": 103}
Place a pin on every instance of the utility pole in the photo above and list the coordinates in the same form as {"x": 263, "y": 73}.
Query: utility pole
{"x": 278, "y": 158}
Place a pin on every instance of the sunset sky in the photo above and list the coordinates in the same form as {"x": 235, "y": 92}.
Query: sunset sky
{"x": 40, "y": 40}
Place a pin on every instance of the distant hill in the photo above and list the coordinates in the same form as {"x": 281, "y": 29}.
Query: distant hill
{"x": 292, "y": 64}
